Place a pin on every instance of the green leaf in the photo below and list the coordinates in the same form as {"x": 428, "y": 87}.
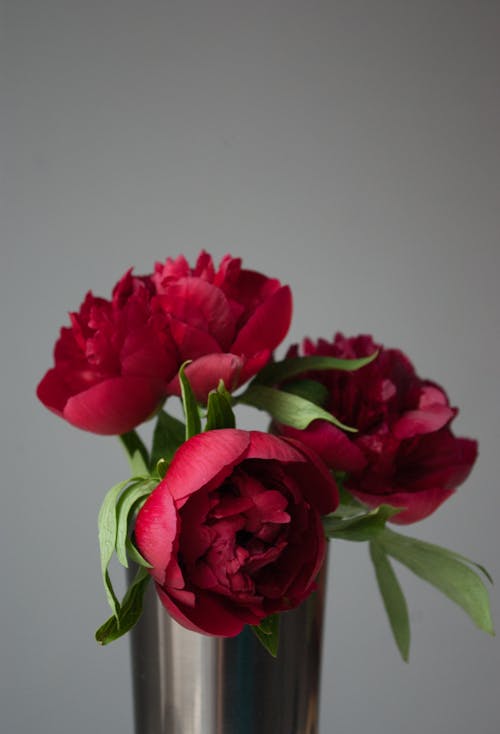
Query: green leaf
{"x": 444, "y": 569}
{"x": 276, "y": 372}
{"x": 169, "y": 434}
{"x": 219, "y": 409}
{"x": 348, "y": 523}
{"x": 130, "y": 500}
{"x": 107, "y": 522}
{"x": 346, "y": 498}
{"x": 129, "y": 613}
{"x": 191, "y": 411}
{"x": 268, "y": 633}
{"x": 311, "y": 390}
{"x": 136, "y": 452}
{"x": 393, "y": 598}
{"x": 286, "y": 408}
{"x": 135, "y": 556}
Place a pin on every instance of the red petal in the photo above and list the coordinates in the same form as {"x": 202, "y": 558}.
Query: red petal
{"x": 206, "y": 458}
{"x": 418, "y": 504}
{"x": 416, "y": 422}
{"x": 267, "y": 446}
{"x": 192, "y": 343}
{"x": 334, "y": 447}
{"x": 208, "y": 616}
{"x": 204, "y": 374}
{"x": 253, "y": 365}
{"x": 196, "y": 302}
{"x": 53, "y": 392}
{"x": 267, "y": 326}
{"x": 156, "y": 530}
{"x": 116, "y": 405}
{"x": 316, "y": 480}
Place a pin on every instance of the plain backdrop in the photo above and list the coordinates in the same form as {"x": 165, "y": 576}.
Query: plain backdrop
{"x": 350, "y": 149}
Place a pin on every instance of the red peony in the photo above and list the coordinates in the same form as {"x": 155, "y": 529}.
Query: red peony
{"x": 233, "y": 532}
{"x": 227, "y": 321}
{"x": 405, "y": 453}
{"x": 119, "y": 359}
{"x": 113, "y": 363}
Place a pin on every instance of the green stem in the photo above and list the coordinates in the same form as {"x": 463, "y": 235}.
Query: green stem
{"x": 132, "y": 443}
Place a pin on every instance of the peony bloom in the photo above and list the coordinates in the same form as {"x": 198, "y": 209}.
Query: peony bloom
{"x": 113, "y": 363}
{"x": 405, "y": 453}
{"x": 227, "y": 321}
{"x": 233, "y": 532}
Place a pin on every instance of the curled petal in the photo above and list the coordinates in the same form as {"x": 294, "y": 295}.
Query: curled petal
{"x": 114, "y": 406}
{"x": 156, "y": 531}
{"x": 205, "y": 459}
{"x": 204, "y": 374}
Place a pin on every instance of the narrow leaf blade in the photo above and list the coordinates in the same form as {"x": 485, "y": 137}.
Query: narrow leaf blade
{"x": 311, "y": 390}
{"x": 358, "y": 526}
{"x": 448, "y": 572}
{"x": 278, "y": 371}
{"x": 219, "y": 410}
{"x": 137, "y": 453}
{"x": 191, "y": 411}
{"x": 130, "y": 611}
{"x": 268, "y": 633}
{"x": 169, "y": 434}
{"x": 291, "y": 410}
{"x": 393, "y": 599}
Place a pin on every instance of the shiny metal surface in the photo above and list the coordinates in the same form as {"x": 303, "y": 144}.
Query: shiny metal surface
{"x": 185, "y": 683}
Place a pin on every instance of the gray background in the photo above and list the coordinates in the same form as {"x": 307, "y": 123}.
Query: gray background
{"x": 349, "y": 148}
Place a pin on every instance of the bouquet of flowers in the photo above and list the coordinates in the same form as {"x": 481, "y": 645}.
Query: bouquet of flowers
{"x": 232, "y": 525}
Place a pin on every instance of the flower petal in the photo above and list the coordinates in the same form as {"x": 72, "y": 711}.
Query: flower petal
{"x": 156, "y": 530}
{"x": 205, "y": 372}
{"x": 267, "y": 326}
{"x": 415, "y": 422}
{"x": 206, "y": 459}
{"x": 318, "y": 484}
{"x": 116, "y": 405}
{"x": 332, "y": 444}
{"x": 267, "y": 446}
{"x": 208, "y": 615}
{"x": 418, "y": 504}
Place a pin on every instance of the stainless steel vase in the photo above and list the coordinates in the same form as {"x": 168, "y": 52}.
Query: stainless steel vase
{"x": 186, "y": 683}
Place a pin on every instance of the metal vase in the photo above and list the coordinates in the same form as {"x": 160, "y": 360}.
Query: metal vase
{"x": 187, "y": 683}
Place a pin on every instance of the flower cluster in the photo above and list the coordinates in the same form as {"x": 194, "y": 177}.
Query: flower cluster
{"x": 232, "y": 525}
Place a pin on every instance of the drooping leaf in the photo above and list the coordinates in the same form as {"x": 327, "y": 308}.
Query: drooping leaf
{"x": 268, "y": 633}
{"x": 189, "y": 404}
{"x": 128, "y": 503}
{"x": 129, "y": 611}
{"x": 107, "y": 522}
{"x": 447, "y": 571}
{"x": 291, "y": 410}
{"x": 393, "y": 599}
{"x": 276, "y": 372}
{"x": 349, "y": 523}
{"x": 169, "y": 434}
{"x": 137, "y": 453}
{"x": 219, "y": 409}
